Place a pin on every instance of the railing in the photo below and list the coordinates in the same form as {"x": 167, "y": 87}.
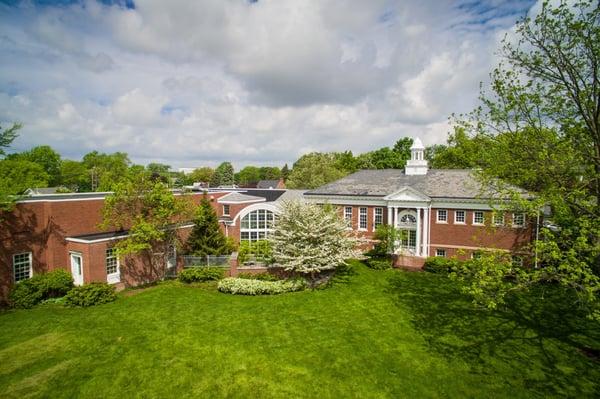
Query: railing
{"x": 208, "y": 260}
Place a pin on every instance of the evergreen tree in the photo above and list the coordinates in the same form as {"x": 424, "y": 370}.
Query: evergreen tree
{"x": 224, "y": 175}
{"x": 206, "y": 237}
{"x": 285, "y": 172}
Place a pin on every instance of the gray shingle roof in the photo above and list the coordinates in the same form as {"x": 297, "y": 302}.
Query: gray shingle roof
{"x": 437, "y": 183}
{"x": 267, "y": 183}
{"x": 239, "y": 197}
{"x": 292, "y": 195}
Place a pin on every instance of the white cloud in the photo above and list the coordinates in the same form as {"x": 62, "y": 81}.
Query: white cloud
{"x": 191, "y": 83}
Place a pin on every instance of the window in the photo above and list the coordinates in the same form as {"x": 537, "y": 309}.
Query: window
{"x": 257, "y": 225}
{"x": 442, "y": 216}
{"x": 378, "y": 218}
{"x": 22, "y": 266}
{"x": 441, "y": 253}
{"x": 362, "y": 218}
{"x": 498, "y": 219}
{"x": 112, "y": 262}
{"x": 518, "y": 220}
{"x": 460, "y": 217}
{"x": 478, "y": 217}
{"x": 348, "y": 214}
{"x": 225, "y": 210}
{"x": 517, "y": 261}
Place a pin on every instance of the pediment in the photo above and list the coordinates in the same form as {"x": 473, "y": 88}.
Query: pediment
{"x": 407, "y": 194}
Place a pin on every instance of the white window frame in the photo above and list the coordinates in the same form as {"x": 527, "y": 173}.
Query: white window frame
{"x": 363, "y": 218}
{"x": 440, "y": 252}
{"x": 226, "y": 210}
{"x": 348, "y": 215}
{"x": 502, "y": 221}
{"x": 377, "y": 218}
{"x": 437, "y": 219}
{"x": 475, "y": 218}
{"x": 115, "y": 277}
{"x": 255, "y": 227}
{"x": 14, "y": 261}
{"x": 464, "y": 213}
{"x": 518, "y": 226}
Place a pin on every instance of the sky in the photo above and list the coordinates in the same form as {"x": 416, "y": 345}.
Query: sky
{"x": 194, "y": 83}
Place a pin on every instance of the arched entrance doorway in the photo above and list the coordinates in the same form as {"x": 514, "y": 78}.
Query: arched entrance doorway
{"x": 407, "y": 232}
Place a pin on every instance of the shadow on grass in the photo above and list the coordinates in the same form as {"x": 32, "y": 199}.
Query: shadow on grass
{"x": 540, "y": 334}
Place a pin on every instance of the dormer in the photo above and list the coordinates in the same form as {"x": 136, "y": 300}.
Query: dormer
{"x": 417, "y": 165}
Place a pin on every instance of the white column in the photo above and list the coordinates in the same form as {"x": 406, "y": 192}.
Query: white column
{"x": 425, "y": 232}
{"x": 389, "y": 219}
{"x": 418, "y": 243}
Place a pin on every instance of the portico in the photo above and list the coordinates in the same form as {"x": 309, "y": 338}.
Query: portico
{"x": 408, "y": 212}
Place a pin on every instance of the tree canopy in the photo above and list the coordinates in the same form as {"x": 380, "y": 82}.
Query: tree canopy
{"x": 206, "y": 237}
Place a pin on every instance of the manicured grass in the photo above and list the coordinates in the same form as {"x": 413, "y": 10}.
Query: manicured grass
{"x": 377, "y": 334}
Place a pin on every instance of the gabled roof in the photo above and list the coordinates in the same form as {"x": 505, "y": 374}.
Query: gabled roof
{"x": 267, "y": 183}
{"x": 43, "y": 190}
{"x": 437, "y": 183}
{"x": 239, "y": 198}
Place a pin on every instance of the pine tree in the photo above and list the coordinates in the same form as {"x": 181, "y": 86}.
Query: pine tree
{"x": 223, "y": 176}
{"x": 206, "y": 237}
{"x": 285, "y": 172}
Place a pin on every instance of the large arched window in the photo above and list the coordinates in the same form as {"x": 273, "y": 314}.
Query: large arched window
{"x": 257, "y": 225}
{"x": 407, "y": 233}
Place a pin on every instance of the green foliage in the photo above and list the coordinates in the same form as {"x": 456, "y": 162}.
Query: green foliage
{"x": 438, "y": 264}
{"x": 28, "y": 293}
{"x": 206, "y": 237}
{"x": 269, "y": 173}
{"x": 285, "y": 172}
{"x": 260, "y": 251}
{"x": 386, "y": 236}
{"x": 107, "y": 170}
{"x": 75, "y": 175}
{"x": 47, "y": 158}
{"x": 199, "y": 274}
{"x": 258, "y": 276}
{"x": 204, "y": 175}
{"x": 16, "y": 176}
{"x": 242, "y": 286}
{"x": 223, "y": 176}
{"x": 379, "y": 263}
{"x": 90, "y": 295}
{"x": 7, "y": 136}
{"x": 314, "y": 170}
{"x": 249, "y": 174}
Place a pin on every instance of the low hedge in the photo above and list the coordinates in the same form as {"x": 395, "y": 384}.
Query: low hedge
{"x": 90, "y": 295}
{"x": 242, "y": 286}
{"x": 40, "y": 287}
{"x": 437, "y": 264}
{"x": 258, "y": 276}
{"x": 379, "y": 263}
{"x": 199, "y": 274}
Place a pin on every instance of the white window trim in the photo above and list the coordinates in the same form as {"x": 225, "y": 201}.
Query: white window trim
{"x": 437, "y": 216}
{"x": 30, "y": 255}
{"x": 464, "y": 214}
{"x": 477, "y": 223}
{"x": 366, "y": 214}
{"x": 113, "y": 278}
{"x": 349, "y": 219}
{"x": 440, "y": 249}
{"x": 375, "y": 216}
{"x": 518, "y": 226}
{"x": 503, "y": 219}
{"x": 228, "y": 210}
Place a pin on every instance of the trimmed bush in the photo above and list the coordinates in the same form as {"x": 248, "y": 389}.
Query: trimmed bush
{"x": 438, "y": 264}
{"x": 30, "y": 292}
{"x": 90, "y": 295}
{"x": 198, "y": 274}
{"x": 258, "y": 276}
{"x": 379, "y": 263}
{"x": 241, "y": 286}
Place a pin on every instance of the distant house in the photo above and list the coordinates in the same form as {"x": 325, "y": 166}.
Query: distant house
{"x": 271, "y": 184}
{"x": 46, "y": 190}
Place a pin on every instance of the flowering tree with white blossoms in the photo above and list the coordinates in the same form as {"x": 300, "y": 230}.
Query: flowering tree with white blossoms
{"x": 309, "y": 238}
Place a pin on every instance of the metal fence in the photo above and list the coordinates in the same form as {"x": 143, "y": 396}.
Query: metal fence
{"x": 208, "y": 260}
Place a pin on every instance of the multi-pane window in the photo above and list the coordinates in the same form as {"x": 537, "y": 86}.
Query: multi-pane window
{"x": 498, "y": 219}
{"x": 348, "y": 214}
{"x": 518, "y": 220}
{"x": 226, "y": 210}
{"x": 112, "y": 262}
{"x": 362, "y": 218}
{"x": 22, "y": 266}
{"x": 440, "y": 253}
{"x": 257, "y": 225}
{"x": 478, "y": 217}
{"x": 442, "y": 215}
{"x": 378, "y": 218}
{"x": 460, "y": 217}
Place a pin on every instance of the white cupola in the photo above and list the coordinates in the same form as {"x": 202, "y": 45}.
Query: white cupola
{"x": 417, "y": 165}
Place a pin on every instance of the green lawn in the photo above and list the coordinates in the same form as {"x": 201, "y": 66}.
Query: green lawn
{"x": 377, "y": 334}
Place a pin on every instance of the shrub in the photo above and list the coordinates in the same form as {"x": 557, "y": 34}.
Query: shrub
{"x": 90, "y": 295}
{"x": 440, "y": 265}
{"x": 379, "y": 263}
{"x": 32, "y": 291}
{"x": 259, "y": 250}
{"x": 198, "y": 274}
{"x": 241, "y": 286}
{"x": 258, "y": 276}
